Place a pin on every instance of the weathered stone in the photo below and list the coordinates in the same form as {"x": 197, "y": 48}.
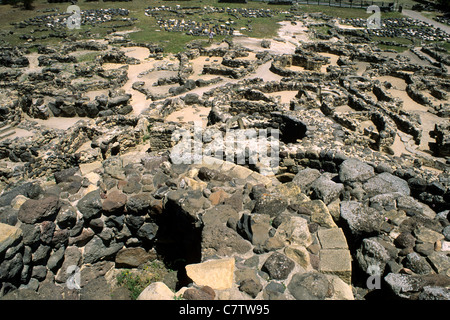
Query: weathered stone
{"x": 156, "y": 291}
{"x": 439, "y": 261}
{"x": 115, "y": 200}
{"x": 360, "y": 219}
{"x": 33, "y": 211}
{"x": 295, "y": 232}
{"x": 270, "y": 204}
{"x": 95, "y": 250}
{"x": 305, "y": 177}
{"x": 217, "y": 274}
{"x": 67, "y": 216}
{"x": 299, "y": 254}
{"x": 386, "y": 183}
{"x": 278, "y": 266}
{"x": 223, "y": 241}
{"x": 372, "y": 253}
{"x": 219, "y": 214}
{"x": 423, "y": 234}
{"x": 326, "y": 189}
{"x": 274, "y": 291}
{"x": 251, "y": 287}
{"x": 417, "y": 264}
{"x": 203, "y": 293}
{"x": 355, "y": 170}
{"x": 90, "y": 205}
{"x": 9, "y": 236}
{"x": 131, "y": 257}
{"x": 332, "y": 238}
{"x": 310, "y": 286}
{"x": 337, "y": 262}
{"x": 319, "y": 213}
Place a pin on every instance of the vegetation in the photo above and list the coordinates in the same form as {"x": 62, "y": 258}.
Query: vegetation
{"x": 137, "y": 280}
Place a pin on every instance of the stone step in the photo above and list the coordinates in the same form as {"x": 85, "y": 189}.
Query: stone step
{"x": 5, "y": 128}
{"x": 7, "y": 134}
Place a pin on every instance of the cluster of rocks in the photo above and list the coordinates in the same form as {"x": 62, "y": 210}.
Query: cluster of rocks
{"x": 109, "y": 193}
{"x": 238, "y": 13}
{"x": 59, "y": 20}
{"x": 401, "y": 27}
{"x": 283, "y": 240}
{"x": 191, "y": 27}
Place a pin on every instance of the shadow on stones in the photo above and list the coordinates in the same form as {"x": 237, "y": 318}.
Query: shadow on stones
{"x": 179, "y": 242}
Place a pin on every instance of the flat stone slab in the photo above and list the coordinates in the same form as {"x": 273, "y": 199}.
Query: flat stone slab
{"x": 333, "y": 238}
{"x": 8, "y": 236}
{"x": 337, "y": 262}
{"x": 218, "y": 274}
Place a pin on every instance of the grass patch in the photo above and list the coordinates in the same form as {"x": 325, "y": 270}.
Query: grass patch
{"x": 137, "y": 280}
{"x": 147, "y": 29}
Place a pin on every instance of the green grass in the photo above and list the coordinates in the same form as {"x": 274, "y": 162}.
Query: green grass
{"x": 87, "y": 57}
{"x": 147, "y": 29}
{"x": 398, "y": 40}
{"x": 137, "y": 281}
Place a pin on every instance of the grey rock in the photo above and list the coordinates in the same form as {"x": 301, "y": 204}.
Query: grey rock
{"x": 271, "y": 204}
{"x": 41, "y": 255}
{"x": 310, "y": 286}
{"x": 113, "y": 166}
{"x": 326, "y": 190}
{"x": 8, "y": 215}
{"x": 223, "y": 241}
{"x": 274, "y": 291}
{"x": 352, "y": 170}
{"x": 148, "y": 231}
{"x": 139, "y": 204}
{"x": 251, "y": 287}
{"x": 305, "y": 177}
{"x": 417, "y": 264}
{"x": 446, "y": 233}
{"x": 72, "y": 257}
{"x": 360, "y": 219}
{"x": 31, "y": 233}
{"x": 219, "y": 214}
{"x": 39, "y": 272}
{"x": 90, "y": 205}
{"x": 9, "y": 269}
{"x": 33, "y": 211}
{"x": 30, "y": 190}
{"x": 278, "y": 266}
{"x": 435, "y": 293}
{"x": 386, "y": 183}
{"x": 56, "y": 259}
{"x": 95, "y": 250}
{"x": 410, "y": 286}
{"x": 96, "y": 289}
{"x": 67, "y": 216}
{"x": 372, "y": 253}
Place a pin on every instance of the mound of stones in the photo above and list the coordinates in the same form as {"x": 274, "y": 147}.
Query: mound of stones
{"x": 256, "y": 237}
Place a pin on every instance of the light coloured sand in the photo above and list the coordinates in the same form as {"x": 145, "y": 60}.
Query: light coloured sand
{"x": 286, "y": 96}
{"x": 61, "y": 123}
{"x": 190, "y": 114}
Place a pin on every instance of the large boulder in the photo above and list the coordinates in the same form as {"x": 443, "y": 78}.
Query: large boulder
{"x": 353, "y": 170}
{"x": 33, "y": 211}
{"x": 386, "y": 183}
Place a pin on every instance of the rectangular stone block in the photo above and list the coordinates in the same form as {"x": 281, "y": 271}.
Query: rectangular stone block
{"x": 337, "y": 262}
{"x": 333, "y": 238}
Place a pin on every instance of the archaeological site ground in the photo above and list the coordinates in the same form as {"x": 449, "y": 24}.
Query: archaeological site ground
{"x": 225, "y": 150}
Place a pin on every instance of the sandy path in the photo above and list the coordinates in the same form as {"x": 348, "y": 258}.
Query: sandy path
{"x": 138, "y": 100}
{"x": 61, "y": 123}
